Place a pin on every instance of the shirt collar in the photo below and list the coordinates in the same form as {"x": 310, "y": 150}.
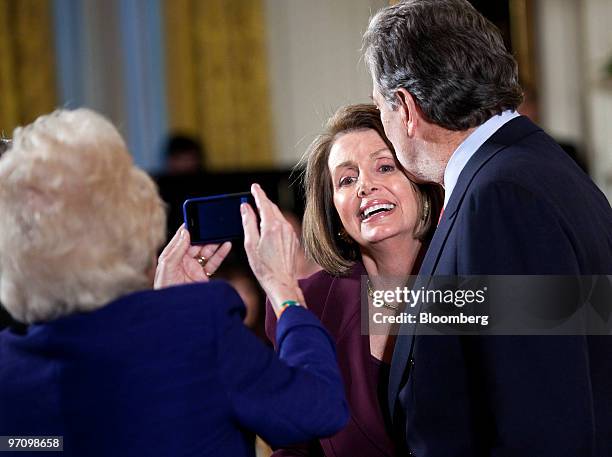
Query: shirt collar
{"x": 469, "y": 146}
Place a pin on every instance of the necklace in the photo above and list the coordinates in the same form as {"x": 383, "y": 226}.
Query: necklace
{"x": 384, "y": 303}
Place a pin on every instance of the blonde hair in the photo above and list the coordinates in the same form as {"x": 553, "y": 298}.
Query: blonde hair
{"x": 80, "y": 223}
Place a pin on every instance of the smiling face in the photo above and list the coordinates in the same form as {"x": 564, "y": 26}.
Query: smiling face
{"x": 373, "y": 197}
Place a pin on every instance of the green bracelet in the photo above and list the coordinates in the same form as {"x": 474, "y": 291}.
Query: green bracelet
{"x": 286, "y": 304}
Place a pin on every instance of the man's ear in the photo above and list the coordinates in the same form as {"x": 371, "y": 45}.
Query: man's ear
{"x": 409, "y": 111}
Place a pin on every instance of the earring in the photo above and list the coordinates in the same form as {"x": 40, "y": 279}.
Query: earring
{"x": 426, "y": 209}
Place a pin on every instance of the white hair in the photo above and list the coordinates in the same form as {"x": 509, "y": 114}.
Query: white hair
{"x": 80, "y": 224}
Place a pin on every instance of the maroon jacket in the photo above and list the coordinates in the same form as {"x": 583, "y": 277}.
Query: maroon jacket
{"x": 336, "y": 301}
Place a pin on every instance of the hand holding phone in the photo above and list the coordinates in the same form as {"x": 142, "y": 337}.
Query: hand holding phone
{"x": 179, "y": 262}
{"x": 272, "y": 250}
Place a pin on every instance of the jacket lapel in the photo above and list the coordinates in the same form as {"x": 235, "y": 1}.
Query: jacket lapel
{"x": 508, "y": 134}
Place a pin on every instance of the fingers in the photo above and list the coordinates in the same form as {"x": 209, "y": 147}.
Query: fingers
{"x": 273, "y": 223}
{"x": 173, "y": 242}
{"x": 251, "y": 231}
{"x": 194, "y": 251}
{"x": 268, "y": 211}
{"x": 272, "y": 219}
{"x": 201, "y": 262}
{"x": 193, "y": 270}
{"x": 176, "y": 248}
{"x": 169, "y": 266}
{"x": 206, "y": 251}
{"x": 215, "y": 260}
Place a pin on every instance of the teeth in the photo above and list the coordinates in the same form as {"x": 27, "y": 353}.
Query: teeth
{"x": 384, "y": 206}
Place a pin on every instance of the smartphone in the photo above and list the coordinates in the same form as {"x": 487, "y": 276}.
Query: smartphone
{"x": 215, "y": 219}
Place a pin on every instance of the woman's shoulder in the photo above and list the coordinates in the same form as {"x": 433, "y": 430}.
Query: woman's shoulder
{"x": 333, "y": 299}
{"x": 323, "y": 288}
{"x": 323, "y": 277}
{"x": 316, "y": 279}
{"x": 197, "y": 291}
{"x": 214, "y": 299}
{"x": 189, "y": 312}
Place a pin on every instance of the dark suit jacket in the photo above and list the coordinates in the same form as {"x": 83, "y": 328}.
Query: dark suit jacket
{"x": 170, "y": 373}
{"x": 520, "y": 206}
{"x": 336, "y": 301}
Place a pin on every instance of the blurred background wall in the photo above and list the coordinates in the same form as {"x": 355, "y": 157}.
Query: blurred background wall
{"x": 27, "y": 62}
{"x": 315, "y": 66}
{"x": 254, "y": 80}
{"x": 573, "y": 40}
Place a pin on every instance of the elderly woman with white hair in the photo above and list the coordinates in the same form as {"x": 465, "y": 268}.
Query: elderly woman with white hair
{"x": 117, "y": 369}
{"x": 5, "y": 318}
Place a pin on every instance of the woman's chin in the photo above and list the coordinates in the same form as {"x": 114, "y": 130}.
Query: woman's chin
{"x": 380, "y": 235}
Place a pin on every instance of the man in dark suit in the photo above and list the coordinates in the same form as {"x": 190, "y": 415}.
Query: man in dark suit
{"x": 515, "y": 204}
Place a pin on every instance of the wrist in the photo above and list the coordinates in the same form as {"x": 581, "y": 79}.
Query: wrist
{"x": 286, "y": 305}
{"x": 280, "y": 295}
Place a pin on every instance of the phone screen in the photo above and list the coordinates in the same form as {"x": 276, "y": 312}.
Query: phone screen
{"x": 214, "y": 219}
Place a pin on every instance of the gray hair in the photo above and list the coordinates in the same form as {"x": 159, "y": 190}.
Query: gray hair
{"x": 447, "y": 56}
{"x": 80, "y": 224}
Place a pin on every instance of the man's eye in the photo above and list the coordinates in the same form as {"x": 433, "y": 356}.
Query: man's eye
{"x": 347, "y": 180}
{"x": 386, "y": 168}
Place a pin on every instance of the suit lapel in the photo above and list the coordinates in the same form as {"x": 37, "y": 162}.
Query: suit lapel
{"x": 508, "y": 134}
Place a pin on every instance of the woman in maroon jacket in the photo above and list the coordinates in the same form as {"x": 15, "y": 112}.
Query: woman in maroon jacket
{"x": 365, "y": 217}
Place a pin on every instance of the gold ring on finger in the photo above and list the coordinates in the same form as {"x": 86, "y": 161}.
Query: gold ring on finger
{"x": 202, "y": 261}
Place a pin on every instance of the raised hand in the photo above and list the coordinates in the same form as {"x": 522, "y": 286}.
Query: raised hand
{"x": 180, "y": 263}
{"x": 272, "y": 251}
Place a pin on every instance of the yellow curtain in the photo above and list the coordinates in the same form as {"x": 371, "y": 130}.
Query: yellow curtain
{"x": 216, "y": 71}
{"x": 521, "y": 34}
{"x": 27, "y": 75}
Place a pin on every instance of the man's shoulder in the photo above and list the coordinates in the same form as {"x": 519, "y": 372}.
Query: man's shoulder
{"x": 535, "y": 164}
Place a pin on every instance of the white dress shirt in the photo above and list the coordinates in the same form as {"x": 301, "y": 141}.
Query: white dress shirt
{"x": 469, "y": 146}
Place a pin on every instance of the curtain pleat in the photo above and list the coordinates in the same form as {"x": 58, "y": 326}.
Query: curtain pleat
{"x": 27, "y": 63}
{"x": 218, "y": 79}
